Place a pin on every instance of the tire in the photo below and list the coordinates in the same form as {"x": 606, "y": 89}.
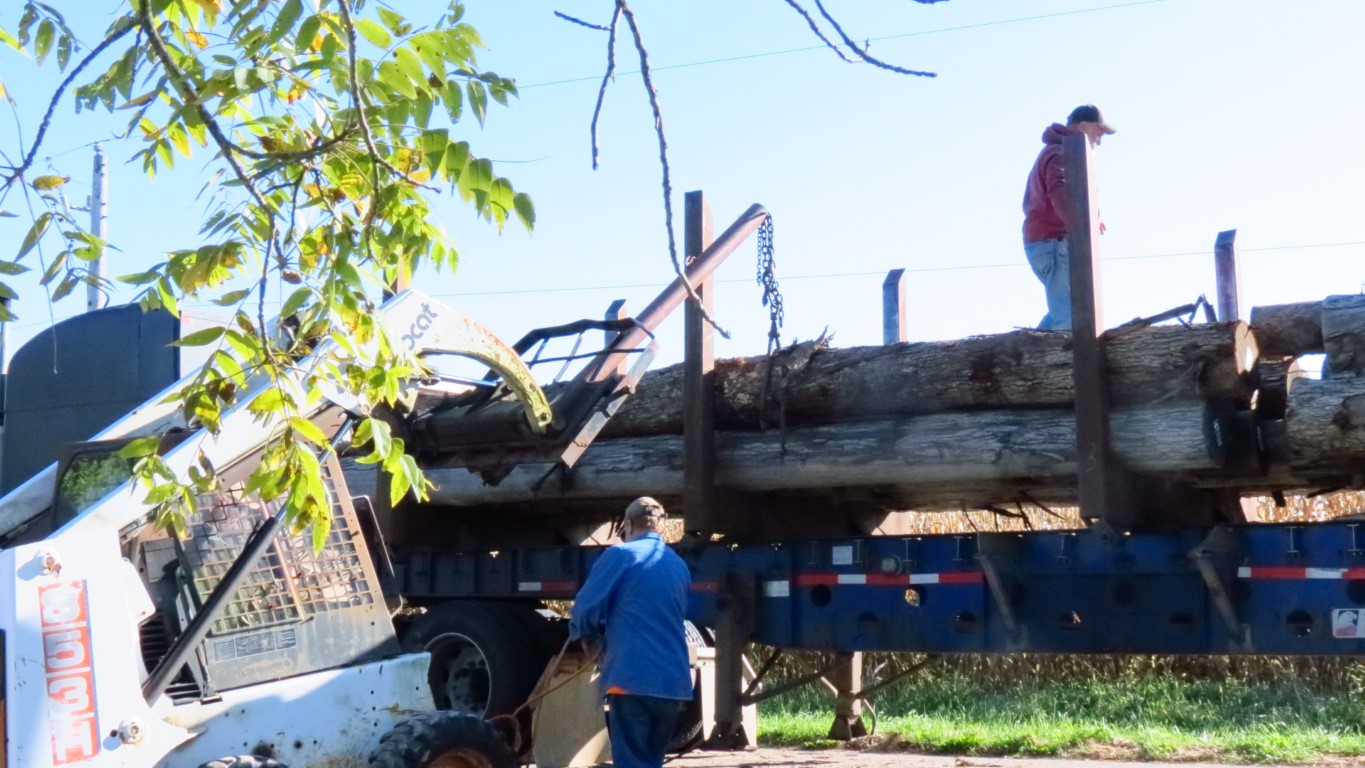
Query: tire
{"x": 484, "y": 662}
{"x": 442, "y": 740}
{"x": 243, "y": 761}
{"x": 687, "y": 730}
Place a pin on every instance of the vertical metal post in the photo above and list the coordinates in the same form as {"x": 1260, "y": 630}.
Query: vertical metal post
{"x": 99, "y": 216}
{"x": 893, "y": 307}
{"x": 699, "y": 434}
{"x": 847, "y": 679}
{"x": 734, "y": 625}
{"x": 615, "y": 311}
{"x": 1229, "y": 284}
{"x": 1093, "y": 464}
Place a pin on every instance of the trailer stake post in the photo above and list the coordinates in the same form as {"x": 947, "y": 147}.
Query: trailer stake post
{"x": 734, "y": 627}
{"x": 1228, "y": 283}
{"x": 893, "y": 307}
{"x": 847, "y": 677}
{"x": 700, "y": 514}
{"x": 1096, "y": 472}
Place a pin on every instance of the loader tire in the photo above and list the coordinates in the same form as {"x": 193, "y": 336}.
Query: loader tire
{"x": 442, "y": 740}
{"x": 244, "y": 761}
{"x": 484, "y": 661}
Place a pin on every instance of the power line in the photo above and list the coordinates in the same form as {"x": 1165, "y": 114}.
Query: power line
{"x": 806, "y": 49}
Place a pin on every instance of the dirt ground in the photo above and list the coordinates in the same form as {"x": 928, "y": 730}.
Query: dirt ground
{"x": 853, "y": 758}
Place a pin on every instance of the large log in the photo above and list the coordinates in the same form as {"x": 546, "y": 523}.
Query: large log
{"x": 962, "y": 456}
{"x": 1288, "y": 330}
{"x": 1023, "y": 369}
{"x": 1326, "y": 425}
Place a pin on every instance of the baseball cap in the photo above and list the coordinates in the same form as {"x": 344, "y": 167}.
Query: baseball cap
{"x": 644, "y": 506}
{"x": 1089, "y": 113}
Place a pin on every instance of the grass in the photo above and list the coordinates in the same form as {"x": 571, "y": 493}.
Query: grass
{"x": 1131, "y": 718}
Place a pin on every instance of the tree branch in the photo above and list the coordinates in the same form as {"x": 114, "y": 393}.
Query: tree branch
{"x": 814, "y": 28}
{"x": 606, "y": 78}
{"x": 663, "y": 160}
{"x": 583, "y": 23}
{"x": 862, "y": 51}
{"x": 57, "y": 97}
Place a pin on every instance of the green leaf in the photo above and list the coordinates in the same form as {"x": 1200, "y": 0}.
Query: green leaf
{"x": 12, "y": 268}
{"x": 309, "y": 430}
{"x": 267, "y": 402}
{"x": 321, "y": 528}
{"x": 392, "y": 76}
{"x": 200, "y": 338}
{"x": 373, "y": 32}
{"x": 43, "y": 42}
{"x": 478, "y": 99}
{"x": 64, "y": 288}
{"x": 295, "y": 300}
{"x": 525, "y": 210}
{"x": 140, "y": 448}
{"x": 285, "y": 20}
{"x": 393, "y": 20}
{"x": 308, "y": 32}
{"x": 228, "y": 299}
{"x": 35, "y": 233}
{"x": 411, "y": 66}
{"x": 54, "y": 267}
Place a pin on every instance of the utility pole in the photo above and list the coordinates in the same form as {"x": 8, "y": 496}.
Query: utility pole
{"x": 99, "y": 215}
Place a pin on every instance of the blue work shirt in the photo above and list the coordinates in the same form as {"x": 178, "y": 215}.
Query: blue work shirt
{"x": 634, "y": 602}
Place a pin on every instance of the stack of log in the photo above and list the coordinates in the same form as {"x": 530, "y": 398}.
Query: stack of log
{"x": 988, "y": 420}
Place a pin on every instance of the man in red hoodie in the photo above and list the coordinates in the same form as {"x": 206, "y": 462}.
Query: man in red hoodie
{"x": 1045, "y": 211}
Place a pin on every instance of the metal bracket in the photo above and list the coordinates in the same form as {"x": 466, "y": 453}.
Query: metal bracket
{"x": 1221, "y": 541}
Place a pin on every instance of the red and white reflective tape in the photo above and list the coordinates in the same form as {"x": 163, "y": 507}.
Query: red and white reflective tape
{"x": 547, "y": 586}
{"x": 1295, "y": 573}
{"x": 782, "y": 587}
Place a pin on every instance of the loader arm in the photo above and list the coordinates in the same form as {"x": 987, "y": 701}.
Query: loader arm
{"x": 424, "y": 326}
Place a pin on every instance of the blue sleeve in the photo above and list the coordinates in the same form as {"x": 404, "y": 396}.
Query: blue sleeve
{"x": 591, "y": 603}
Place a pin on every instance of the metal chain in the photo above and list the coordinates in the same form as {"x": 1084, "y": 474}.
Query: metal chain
{"x": 767, "y": 277}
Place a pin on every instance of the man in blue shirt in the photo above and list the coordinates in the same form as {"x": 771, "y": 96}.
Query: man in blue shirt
{"x": 632, "y": 606}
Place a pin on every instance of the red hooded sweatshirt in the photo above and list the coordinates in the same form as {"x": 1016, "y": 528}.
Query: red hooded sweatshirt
{"x": 1045, "y": 195}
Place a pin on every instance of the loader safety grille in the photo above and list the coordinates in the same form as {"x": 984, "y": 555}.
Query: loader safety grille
{"x": 291, "y": 583}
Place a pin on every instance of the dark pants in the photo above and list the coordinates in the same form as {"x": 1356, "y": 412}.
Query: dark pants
{"x": 640, "y": 728}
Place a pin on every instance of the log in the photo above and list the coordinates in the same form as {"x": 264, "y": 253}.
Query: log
{"x": 1343, "y": 334}
{"x": 1021, "y": 369}
{"x": 947, "y": 455}
{"x": 1288, "y": 330}
{"x": 1326, "y": 425}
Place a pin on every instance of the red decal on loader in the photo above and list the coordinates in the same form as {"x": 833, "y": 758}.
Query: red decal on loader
{"x": 70, "y": 677}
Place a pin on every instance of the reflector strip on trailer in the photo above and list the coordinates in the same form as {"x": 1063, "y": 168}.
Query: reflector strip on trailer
{"x": 546, "y": 586}
{"x": 887, "y": 580}
{"x": 1289, "y": 572}
{"x": 706, "y": 586}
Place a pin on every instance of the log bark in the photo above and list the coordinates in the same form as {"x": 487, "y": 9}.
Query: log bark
{"x": 1343, "y": 334}
{"x": 1326, "y": 425}
{"x": 938, "y": 456}
{"x": 1288, "y": 330}
{"x": 1023, "y": 369}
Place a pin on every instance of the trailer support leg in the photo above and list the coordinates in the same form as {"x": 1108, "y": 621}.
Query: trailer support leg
{"x": 734, "y": 626}
{"x": 847, "y": 678}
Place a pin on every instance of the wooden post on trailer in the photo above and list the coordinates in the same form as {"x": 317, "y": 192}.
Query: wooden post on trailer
{"x": 1229, "y": 286}
{"x": 847, "y": 679}
{"x": 893, "y": 307}
{"x": 699, "y": 392}
{"x": 1097, "y": 474}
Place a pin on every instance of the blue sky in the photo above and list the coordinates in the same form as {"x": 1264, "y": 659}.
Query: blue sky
{"x": 1241, "y": 114}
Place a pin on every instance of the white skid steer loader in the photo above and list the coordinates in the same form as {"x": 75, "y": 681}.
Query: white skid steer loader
{"x": 236, "y": 644}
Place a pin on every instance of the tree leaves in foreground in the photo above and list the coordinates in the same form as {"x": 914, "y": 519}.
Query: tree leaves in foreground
{"x": 327, "y": 125}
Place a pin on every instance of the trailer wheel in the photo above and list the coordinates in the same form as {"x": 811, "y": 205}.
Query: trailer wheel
{"x": 244, "y": 761}
{"x": 483, "y": 661}
{"x": 442, "y": 740}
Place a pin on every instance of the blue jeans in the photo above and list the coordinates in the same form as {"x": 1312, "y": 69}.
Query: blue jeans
{"x": 1052, "y": 265}
{"x": 640, "y": 728}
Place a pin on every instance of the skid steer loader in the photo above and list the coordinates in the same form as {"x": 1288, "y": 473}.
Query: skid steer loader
{"x": 236, "y": 643}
